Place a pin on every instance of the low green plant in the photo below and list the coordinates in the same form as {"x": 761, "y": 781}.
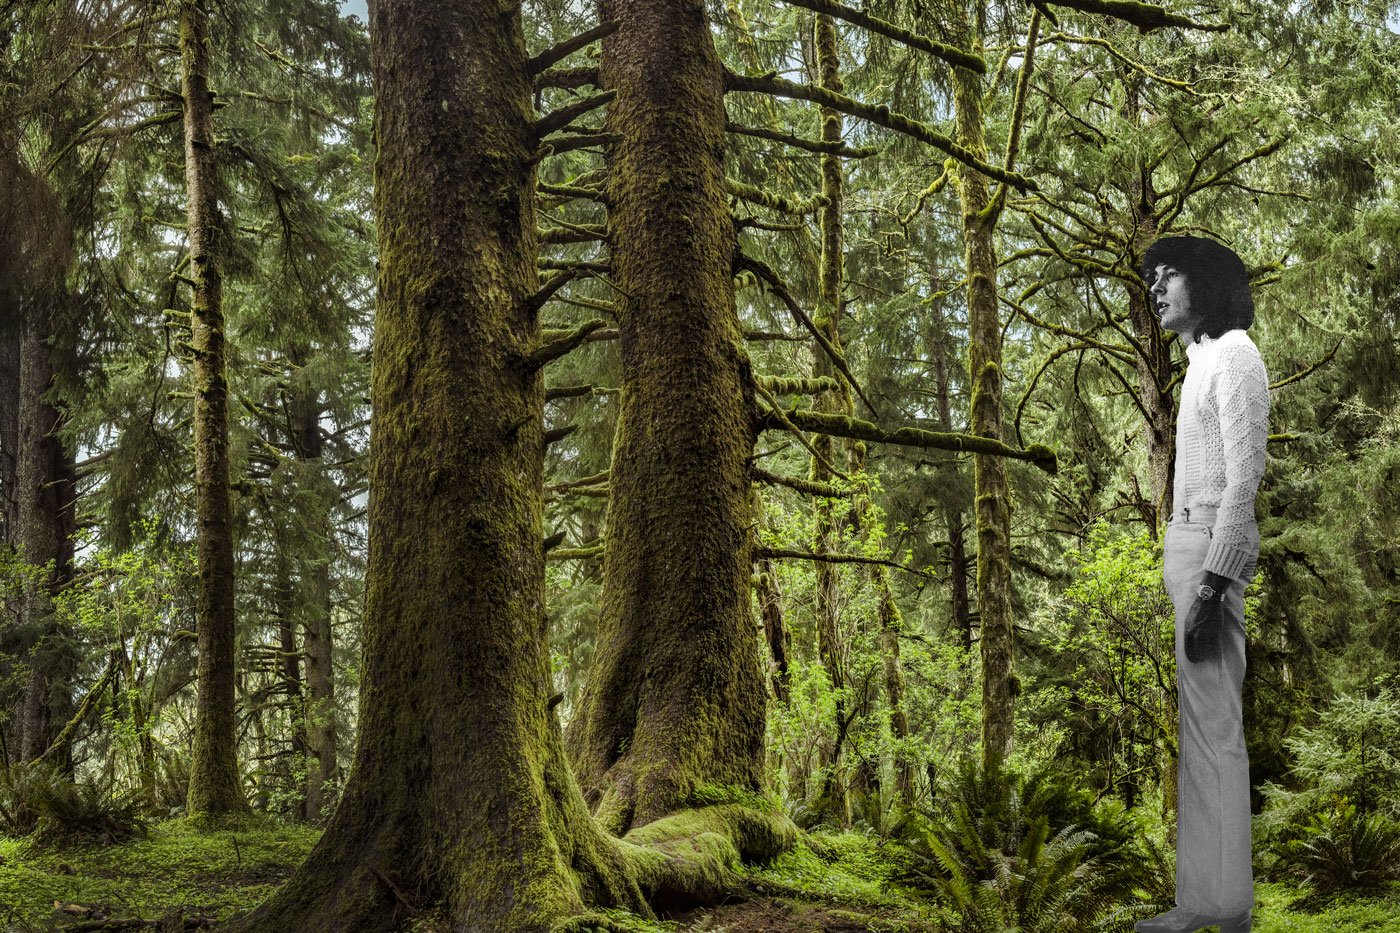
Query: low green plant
{"x": 54, "y": 809}
{"x": 1342, "y": 850}
{"x": 1030, "y": 852}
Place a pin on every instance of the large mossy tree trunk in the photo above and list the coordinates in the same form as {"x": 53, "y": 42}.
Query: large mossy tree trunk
{"x": 215, "y": 784}
{"x": 993, "y": 494}
{"x": 460, "y": 800}
{"x": 674, "y": 706}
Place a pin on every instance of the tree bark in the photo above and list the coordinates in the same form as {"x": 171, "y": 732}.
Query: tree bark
{"x": 313, "y": 606}
{"x": 993, "y": 495}
{"x": 674, "y": 706}
{"x": 1154, "y": 370}
{"x": 44, "y": 491}
{"x": 940, "y": 350}
{"x": 460, "y": 800}
{"x": 834, "y": 800}
{"x": 215, "y": 783}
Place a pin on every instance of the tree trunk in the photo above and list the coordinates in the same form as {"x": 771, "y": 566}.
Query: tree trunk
{"x": 831, "y": 645}
{"x": 674, "y": 706}
{"x": 215, "y": 783}
{"x": 954, "y": 514}
{"x": 774, "y": 627}
{"x": 460, "y": 799}
{"x": 9, "y": 418}
{"x": 11, "y": 640}
{"x": 44, "y": 488}
{"x": 313, "y": 606}
{"x": 289, "y": 666}
{"x": 1154, "y": 371}
{"x": 993, "y": 495}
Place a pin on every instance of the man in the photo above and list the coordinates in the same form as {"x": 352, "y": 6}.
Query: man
{"x": 1201, "y": 292}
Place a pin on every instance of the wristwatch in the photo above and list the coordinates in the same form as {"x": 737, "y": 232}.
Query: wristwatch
{"x": 1206, "y": 592}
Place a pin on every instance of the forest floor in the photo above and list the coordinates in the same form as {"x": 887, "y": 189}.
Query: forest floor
{"x": 179, "y": 871}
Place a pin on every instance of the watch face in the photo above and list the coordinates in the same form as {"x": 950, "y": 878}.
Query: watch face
{"x": 1206, "y": 592}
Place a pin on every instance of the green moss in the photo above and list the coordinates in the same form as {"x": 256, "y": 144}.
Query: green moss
{"x": 849, "y": 869}
{"x": 220, "y": 872}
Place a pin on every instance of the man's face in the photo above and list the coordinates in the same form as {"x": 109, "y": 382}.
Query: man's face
{"x": 1173, "y": 304}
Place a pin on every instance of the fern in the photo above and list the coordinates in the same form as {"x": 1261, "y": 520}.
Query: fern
{"x": 1028, "y": 853}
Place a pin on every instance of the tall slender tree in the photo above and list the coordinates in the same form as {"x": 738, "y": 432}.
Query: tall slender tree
{"x": 980, "y": 211}
{"x": 215, "y": 785}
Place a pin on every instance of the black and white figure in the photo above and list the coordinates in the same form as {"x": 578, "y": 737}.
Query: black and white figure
{"x": 1201, "y": 292}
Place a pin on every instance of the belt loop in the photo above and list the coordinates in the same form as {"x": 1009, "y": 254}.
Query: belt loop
{"x": 1185, "y": 513}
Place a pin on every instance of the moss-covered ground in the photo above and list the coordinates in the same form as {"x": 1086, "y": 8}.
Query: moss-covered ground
{"x": 832, "y": 883}
{"x": 176, "y": 867}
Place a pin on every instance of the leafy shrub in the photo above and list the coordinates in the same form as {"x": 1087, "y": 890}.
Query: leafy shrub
{"x": 1342, "y": 850}
{"x": 1351, "y": 752}
{"x": 1033, "y": 853}
{"x": 55, "y": 810}
{"x": 1346, "y": 763}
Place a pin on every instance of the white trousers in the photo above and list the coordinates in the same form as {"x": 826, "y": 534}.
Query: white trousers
{"x": 1213, "y": 871}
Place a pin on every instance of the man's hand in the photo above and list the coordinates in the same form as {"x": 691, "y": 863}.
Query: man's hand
{"x": 1206, "y": 620}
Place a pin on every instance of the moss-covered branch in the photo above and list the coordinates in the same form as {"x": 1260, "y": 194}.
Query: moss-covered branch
{"x": 761, "y": 269}
{"x": 592, "y": 552}
{"x": 1145, "y": 16}
{"x": 766, "y": 335}
{"x": 555, "y": 435}
{"x": 790, "y": 385}
{"x": 1132, "y": 63}
{"x": 1018, "y": 111}
{"x": 879, "y": 115}
{"x": 573, "y": 233}
{"x": 556, "y": 145}
{"x": 950, "y": 54}
{"x": 557, "y": 392}
{"x": 570, "y": 79}
{"x": 591, "y": 480}
{"x": 562, "y": 343}
{"x": 780, "y": 420}
{"x": 810, "y": 487}
{"x": 777, "y": 202}
{"x": 557, "y": 53}
{"x": 831, "y": 558}
{"x": 798, "y": 142}
{"x": 552, "y": 285}
{"x": 64, "y": 738}
{"x": 842, "y": 426}
{"x": 572, "y": 191}
{"x": 1303, "y": 374}
{"x": 558, "y": 119}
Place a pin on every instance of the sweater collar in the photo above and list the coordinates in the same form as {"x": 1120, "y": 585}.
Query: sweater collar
{"x": 1206, "y": 343}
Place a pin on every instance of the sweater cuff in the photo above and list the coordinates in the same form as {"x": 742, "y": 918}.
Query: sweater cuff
{"x": 1230, "y": 561}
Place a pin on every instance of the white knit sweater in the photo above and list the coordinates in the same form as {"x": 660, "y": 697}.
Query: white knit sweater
{"x": 1221, "y": 432}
